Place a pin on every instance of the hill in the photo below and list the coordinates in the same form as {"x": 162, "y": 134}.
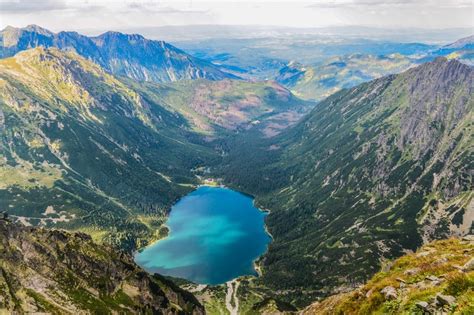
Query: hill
{"x": 438, "y": 278}
{"x": 370, "y": 173}
{"x": 82, "y": 150}
{"x": 320, "y": 81}
{"x": 58, "y": 272}
{"x": 129, "y": 55}
{"x": 217, "y": 108}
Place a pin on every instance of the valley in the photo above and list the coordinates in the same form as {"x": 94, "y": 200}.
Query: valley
{"x": 359, "y": 152}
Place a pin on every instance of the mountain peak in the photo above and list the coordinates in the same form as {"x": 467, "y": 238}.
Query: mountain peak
{"x": 119, "y": 35}
{"x": 37, "y": 29}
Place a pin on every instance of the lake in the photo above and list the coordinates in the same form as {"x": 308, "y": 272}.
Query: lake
{"x": 215, "y": 236}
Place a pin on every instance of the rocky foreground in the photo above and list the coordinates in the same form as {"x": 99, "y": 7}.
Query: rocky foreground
{"x": 437, "y": 279}
{"x": 57, "y": 272}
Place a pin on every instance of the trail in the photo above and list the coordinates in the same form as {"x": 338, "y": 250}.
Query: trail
{"x": 232, "y": 293}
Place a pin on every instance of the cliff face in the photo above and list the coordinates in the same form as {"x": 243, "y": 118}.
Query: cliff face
{"x": 59, "y": 272}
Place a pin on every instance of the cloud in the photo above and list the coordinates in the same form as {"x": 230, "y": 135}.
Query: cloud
{"x": 338, "y": 4}
{"x": 26, "y": 6}
{"x": 154, "y": 7}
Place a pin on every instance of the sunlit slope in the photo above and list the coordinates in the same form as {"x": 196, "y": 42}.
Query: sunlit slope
{"x": 438, "y": 278}
{"x": 80, "y": 149}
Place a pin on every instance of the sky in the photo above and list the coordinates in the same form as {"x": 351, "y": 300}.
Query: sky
{"x": 103, "y": 15}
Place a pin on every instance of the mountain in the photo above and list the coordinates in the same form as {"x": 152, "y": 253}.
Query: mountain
{"x": 462, "y": 50}
{"x": 437, "y": 279}
{"x": 82, "y": 150}
{"x": 320, "y": 81}
{"x": 463, "y": 43}
{"x": 217, "y": 108}
{"x": 129, "y": 55}
{"x": 370, "y": 173}
{"x": 57, "y": 272}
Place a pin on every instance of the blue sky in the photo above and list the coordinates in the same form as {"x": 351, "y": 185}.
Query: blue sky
{"x": 112, "y": 14}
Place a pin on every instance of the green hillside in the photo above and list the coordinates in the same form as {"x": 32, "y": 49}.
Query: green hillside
{"x": 437, "y": 279}
{"x": 81, "y": 150}
{"x": 320, "y": 81}
{"x": 371, "y": 172}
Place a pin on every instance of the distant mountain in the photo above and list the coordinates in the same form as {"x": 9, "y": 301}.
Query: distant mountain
{"x": 371, "y": 172}
{"x": 217, "y": 108}
{"x": 56, "y": 272}
{"x": 319, "y": 81}
{"x": 425, "y": 282}
{"x": 82, "y": 150}
{"x": 462, "y": 50}
{"x": 463, "y": 43}
{"x": 127, "y": 55}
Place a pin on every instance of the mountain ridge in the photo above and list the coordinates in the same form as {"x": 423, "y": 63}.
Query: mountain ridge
{"x": 129, "y": 55}
{"x": 369, "y": 173}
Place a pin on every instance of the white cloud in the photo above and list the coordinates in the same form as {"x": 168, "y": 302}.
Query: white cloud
{"x": 101, "y": 15}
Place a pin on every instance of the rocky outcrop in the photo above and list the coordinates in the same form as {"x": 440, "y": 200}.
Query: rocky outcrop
{"x": 55, "y": 271}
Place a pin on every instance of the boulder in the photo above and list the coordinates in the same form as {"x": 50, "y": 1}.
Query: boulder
{"x": 423, "y": 305}
{"x": 442, "y": 299}
{"x": 412, "y": 271}
{"x": 469, "y": 265}
{"x": 390, "y": 293}
{"x": 433, "y": 278}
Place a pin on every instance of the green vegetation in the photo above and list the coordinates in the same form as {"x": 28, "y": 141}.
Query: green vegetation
{"x": 75, "y": 139}
{"x": 441, "y": 267}
{"x": 351, "y": 184}
{"x": 320, "y": 81}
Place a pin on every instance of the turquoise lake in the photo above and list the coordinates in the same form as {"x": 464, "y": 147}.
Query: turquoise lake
{"x": 215, "y": 235}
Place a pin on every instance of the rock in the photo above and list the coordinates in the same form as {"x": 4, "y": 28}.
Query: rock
{"x": 412, "y": 271}
{"x": 442, "y": 299}
{"x": 400, "y": 280}
{"x": 369, "y": 293}
{"x": 424, "y": 254}
{"x": 389, "y": 292}
{"x": 433, "y": 278}
{"x": 469, "y": 265}
{"x": 423, "y": 305}
{"x": 468, "y": 238}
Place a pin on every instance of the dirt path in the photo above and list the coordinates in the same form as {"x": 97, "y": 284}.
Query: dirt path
{"x": 232, "y": 294}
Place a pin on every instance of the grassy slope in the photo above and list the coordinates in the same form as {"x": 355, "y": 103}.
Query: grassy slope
{"x": 408, "y": 275}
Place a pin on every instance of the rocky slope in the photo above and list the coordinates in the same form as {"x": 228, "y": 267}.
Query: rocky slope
{"x": 371, "y": 172}
{"x": 82, "y": 150}
{"x": 437, "y": 279}
{"x": 57, "y": 272}
{"x": 129, "y": 55}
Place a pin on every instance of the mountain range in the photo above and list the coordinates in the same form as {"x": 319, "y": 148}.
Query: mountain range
{"x": 97, "y": 138}
{"x": 129, "y": 55}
